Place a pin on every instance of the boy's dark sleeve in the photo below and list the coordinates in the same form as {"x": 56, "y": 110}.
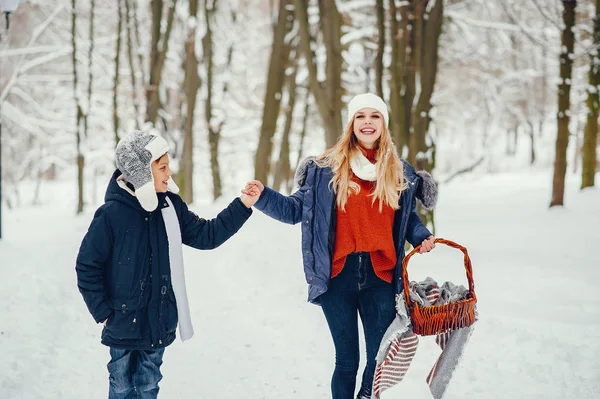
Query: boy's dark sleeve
{"x": 208, "y": 234}
{"x": 94, "y": 253}
{"x": 416, "y": 231}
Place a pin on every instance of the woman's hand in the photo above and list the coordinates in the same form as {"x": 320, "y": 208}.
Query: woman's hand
{"x": 427, "y": 245}
{"x": 252, "y": 187}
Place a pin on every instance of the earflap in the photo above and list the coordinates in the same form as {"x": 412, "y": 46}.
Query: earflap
{"x": 171, "y": 186}
{"x": 146, "y": 195}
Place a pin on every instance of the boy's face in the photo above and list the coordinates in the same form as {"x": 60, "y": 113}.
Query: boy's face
{"x": 161, "y": 173}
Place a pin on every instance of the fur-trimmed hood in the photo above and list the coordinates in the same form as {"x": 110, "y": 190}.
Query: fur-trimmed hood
{"x": 426, "y": 190}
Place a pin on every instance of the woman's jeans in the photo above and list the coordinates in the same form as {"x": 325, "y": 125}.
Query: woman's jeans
{"x": 356, "y": 290}
{"x": 134, "y": 373}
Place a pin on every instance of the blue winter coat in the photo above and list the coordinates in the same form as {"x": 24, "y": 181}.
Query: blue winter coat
{"x": 314, "y": 205}
{"x": 123, "y": 269}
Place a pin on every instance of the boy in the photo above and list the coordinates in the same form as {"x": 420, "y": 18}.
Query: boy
{"x": 130, "y": 263}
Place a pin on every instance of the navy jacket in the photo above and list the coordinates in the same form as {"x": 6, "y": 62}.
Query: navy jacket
{"x": 123, "y": 269}
{"x": 314, "y": 206}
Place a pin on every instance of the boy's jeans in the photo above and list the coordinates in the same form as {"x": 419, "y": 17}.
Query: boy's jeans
{"x": 134, "y": 373}
{"x": 356, "y": 290}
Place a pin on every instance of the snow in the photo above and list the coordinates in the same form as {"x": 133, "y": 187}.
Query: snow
{"x": 192, "y": 22}
{"x": 536, "y": 274}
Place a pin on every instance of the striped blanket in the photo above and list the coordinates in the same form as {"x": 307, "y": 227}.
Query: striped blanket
{"x": 399, "y": 343}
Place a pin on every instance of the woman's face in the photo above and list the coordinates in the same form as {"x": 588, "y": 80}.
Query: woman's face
{"x": 161, "y": 173}
{"x": 368, "y": 127}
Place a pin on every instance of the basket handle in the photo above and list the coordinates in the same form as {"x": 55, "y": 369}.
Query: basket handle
{"x": 468, "y": 267}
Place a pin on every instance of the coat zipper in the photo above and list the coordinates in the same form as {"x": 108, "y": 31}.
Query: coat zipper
{"x": 142, "y": 285}
{"x": 312, "y": 242}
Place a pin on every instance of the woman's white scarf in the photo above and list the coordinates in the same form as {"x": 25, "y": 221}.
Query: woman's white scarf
{"x": 186, "y": 330}
{"x": 363, "y": 168}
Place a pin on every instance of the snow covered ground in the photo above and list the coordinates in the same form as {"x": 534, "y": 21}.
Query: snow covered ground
{"x": 536, "y": 272}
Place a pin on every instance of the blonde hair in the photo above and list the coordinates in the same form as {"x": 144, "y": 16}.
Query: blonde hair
{"x": 390, "y": 171}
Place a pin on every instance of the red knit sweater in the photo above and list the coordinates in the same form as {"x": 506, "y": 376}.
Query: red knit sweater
{"x": 362, "y": 228}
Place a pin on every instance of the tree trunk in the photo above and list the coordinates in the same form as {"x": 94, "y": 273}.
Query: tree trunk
{"x": 564, "y": 103}
{"x": 532, "y": 137}
{"x": 327, "y": 94}
{"x": 214, "y": 130}
{"x": 280, "y": 50}
{"x": 90, "y": 73}
{"x": 283, "y": 170}
{"x": 380, "y": 47}
{"x": 116, "y": 80}
{"x": 578, "y": 146}
{"x": 157, "y": 58}
{"x": 302, "y": 133}
{"x": 331, "y": 23}
{"x": 410, "y": 75}
{"x": 137, "y": 39}
{"x": 427, "y": 67}
{"x": 130, "y": 58}
{"x": 413, "y": 73}
{"x": 79, "y": 135}
{"x": 192, "y": 83}
{"x": 544, "y": 89}
{"x": 399, "y": 41}
{"x": 151, "y": 107}
{"x": 590, "y": 138}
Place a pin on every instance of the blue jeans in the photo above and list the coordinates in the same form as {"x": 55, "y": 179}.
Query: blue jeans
{"x": 134, "y": 373}
{"x": 356, "y": 290}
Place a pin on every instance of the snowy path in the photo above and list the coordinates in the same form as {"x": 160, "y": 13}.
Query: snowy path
{"x": 536, "y": 273}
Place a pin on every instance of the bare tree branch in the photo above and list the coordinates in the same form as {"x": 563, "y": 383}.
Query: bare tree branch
{"x": 542, "y": 12}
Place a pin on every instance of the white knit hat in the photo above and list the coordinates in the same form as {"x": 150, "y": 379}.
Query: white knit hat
{"x": 367, "y": 100}
{"x": 134, "y": 155}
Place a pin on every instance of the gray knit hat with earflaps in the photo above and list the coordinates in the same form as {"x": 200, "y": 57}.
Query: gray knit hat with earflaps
{"x": 134, "y": 155}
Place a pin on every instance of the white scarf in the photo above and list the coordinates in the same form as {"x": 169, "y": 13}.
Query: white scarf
{"x": 363, "y": 168}
{"x": 186, "y": 330}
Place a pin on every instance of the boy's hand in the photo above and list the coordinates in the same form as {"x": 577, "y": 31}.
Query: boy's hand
{"x": 427, "y": 245}
{"x": 252, "y": 186}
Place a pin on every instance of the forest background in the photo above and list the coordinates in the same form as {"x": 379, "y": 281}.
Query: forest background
{"x": 248, "y": 88}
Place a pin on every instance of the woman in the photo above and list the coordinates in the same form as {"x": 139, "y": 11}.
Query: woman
{"x": 357, "y": 207}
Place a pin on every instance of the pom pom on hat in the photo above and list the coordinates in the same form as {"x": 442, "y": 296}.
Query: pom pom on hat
{"x": 367, "y": 100}
{"x": 134, "y": 156}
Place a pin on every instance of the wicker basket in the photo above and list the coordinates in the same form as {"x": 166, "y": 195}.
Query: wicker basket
{"x": 432, "y": 320}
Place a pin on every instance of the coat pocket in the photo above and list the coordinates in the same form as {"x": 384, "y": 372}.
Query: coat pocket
{"x": 124, "y": 323}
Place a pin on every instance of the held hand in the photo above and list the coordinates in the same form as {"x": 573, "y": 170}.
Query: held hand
{"x": 427, "y": 245}
{"x": 249, "y": 197}
{"x": 253, "y": 184}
